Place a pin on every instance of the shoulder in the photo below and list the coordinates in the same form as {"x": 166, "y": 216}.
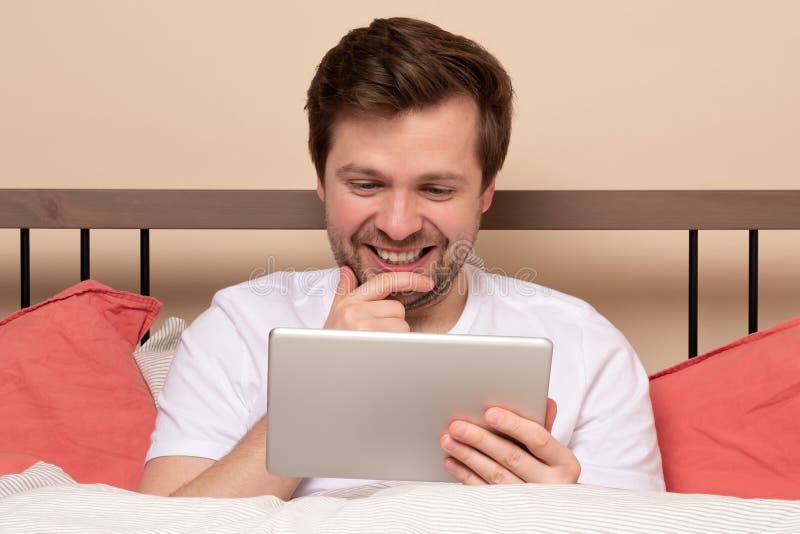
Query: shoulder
{"x": 245, "y": 312}
{"x": 520, "y": 294}
{"x": 569, "y": 321}
{"x": 279, "y": 291}
{"x": 229, "y": 339}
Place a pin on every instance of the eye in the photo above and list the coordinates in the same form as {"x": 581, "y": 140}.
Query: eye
{"x": 364, "y": 187}
{"x": 437, "y": 192}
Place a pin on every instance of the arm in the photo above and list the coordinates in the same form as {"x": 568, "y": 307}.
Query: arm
{"x": 241, "y": 473}
{"x": 204, "y": 442}
{"x": 613, "y": 442}
{"x": 615, "y": 435}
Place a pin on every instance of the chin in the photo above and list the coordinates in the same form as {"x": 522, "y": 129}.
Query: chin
{"x": 418, "y": 301}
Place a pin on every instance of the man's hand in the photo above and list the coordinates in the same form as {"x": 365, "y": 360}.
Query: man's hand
{"x": 478, "y": 456}
{"x": 364, "y": 307}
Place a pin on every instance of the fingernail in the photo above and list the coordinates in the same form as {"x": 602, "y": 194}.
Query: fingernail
{"x": 447, "y": 442}
{"x": 458, "y": 429}
{"x": 493, "y": 416}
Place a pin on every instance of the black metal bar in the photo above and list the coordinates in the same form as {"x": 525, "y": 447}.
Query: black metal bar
{"x": 144, "y": 268}
{"x": 84, "y": 254}
{"x": 752, "y": 285}
{"x": 692, "y": 293}
{"x": 24, "y": 267}
{"x": 144, "y": 261}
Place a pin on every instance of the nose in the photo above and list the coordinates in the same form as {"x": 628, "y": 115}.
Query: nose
{"x": 399, "y": 216}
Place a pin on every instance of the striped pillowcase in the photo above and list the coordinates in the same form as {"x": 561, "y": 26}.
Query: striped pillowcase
{"x": 155, "y": 356}
{"x": 39, "y": 475}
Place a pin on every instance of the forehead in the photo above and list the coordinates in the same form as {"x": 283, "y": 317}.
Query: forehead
{"x": 439, "y": 138}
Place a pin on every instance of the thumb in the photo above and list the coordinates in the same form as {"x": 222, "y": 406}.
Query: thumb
{"x": 347, "y": 282}
{"x": 552, "y": 408}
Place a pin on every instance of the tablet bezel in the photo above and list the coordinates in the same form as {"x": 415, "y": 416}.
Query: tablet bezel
{"x": 375, "y": 409}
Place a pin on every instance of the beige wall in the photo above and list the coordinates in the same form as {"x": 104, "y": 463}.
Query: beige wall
{"x": 198, "y": 94}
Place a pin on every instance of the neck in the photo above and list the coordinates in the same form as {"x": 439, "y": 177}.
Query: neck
{"x": 440, "y": 317}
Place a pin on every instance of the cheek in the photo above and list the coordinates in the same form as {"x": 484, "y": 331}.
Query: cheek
{"x": 456, "y": 224}
{"x": 347, "y": 217}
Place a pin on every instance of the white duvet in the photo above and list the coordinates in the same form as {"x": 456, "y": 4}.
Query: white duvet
{"x": 44, "y": 499}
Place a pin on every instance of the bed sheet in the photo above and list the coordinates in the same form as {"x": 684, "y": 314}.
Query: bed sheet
{"x": 44, "y": 499}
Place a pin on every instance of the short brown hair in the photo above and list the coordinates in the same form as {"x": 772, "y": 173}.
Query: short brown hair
{"x": 398, "y": 64}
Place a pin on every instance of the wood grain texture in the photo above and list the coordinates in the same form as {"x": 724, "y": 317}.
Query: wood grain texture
{"x": 293, "y": 209}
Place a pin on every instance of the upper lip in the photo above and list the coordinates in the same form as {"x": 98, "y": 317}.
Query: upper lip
{"x": 398, "y": 250}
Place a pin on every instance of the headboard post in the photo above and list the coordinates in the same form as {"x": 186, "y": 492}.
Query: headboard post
{"x": 752, "y": 283}
{"x": 24, "y": 267}
{"x": 693, "y": 293}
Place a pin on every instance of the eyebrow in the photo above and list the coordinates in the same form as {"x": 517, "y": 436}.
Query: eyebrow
{"x": 352, "y": 168}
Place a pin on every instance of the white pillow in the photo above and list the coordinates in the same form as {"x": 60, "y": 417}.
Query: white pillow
{"x": 155, "y": 356}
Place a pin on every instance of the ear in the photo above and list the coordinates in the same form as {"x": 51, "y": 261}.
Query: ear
{"x": 487, "y": 196}
{"x": 320, "y": 190}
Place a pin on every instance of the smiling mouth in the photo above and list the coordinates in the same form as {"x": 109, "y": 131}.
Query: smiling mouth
{"x": 400, "y": 258}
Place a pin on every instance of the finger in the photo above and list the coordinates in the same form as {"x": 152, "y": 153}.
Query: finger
{"x": 515, "y": 457}
{"x": 360, "y": 315}
{"x": 461, "y": 473}
{"x": 384, "y": 325}
{"x": 385, "y": 308}
{"x": 534, "y": 436}
{"x": 550, "y": 417}
{"x": 473, "y": 459}
{"x": 379, "y": 287}
{"x": 348, "y": 282}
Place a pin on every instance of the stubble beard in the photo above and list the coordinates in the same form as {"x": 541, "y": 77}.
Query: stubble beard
{"x": 346, "y": 251}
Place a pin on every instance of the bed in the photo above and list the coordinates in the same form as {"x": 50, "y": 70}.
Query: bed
{"x": 718, "y": 477}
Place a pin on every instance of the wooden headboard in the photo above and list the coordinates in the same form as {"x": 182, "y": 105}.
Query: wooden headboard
{"x": 87, "y": 209}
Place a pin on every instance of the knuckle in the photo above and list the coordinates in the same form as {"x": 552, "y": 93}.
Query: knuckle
{"x": 398, "y": 308}
{"x": 459, "y": 472}
{"x": 466, "y": 477}
{"x": 348, "y": 314}
{"x": 568, "y": 473}
{"x": 514, "y": 458}
{"x": 540, "y": 439}
{"x": 574, "y": 469}
{"x": 498, "y": 475}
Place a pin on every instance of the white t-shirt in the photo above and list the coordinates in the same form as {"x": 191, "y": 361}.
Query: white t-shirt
{"x": 216, "y": 389}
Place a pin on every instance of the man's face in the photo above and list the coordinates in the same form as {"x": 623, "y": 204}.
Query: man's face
{"x": 404, "y": 194}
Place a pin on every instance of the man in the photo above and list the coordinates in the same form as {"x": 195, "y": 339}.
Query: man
{"x": 409, "y": 125}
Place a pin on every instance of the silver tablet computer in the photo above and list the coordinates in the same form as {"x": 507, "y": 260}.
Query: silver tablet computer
{"x": 373, "y": 405}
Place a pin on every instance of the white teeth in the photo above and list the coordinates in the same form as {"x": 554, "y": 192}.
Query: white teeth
{"x": 399, "y": 257}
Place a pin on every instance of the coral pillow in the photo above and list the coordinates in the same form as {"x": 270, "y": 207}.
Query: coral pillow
{"x": 12, "y": 463}
{"x": 728, "y": 422}
{"x": 70, "y": 391}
